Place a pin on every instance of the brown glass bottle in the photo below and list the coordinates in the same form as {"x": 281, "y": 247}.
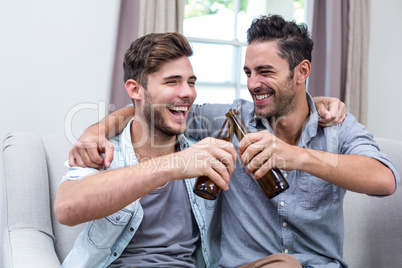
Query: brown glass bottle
{"x": 273, "y": 182}
{"x": 204, "y": 186}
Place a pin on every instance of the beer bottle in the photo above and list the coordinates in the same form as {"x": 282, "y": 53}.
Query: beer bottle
{"x": 204, "y": 186}
{"x": 273, "y": 182}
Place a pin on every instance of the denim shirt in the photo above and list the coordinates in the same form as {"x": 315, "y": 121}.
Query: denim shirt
{"x": 102, "y": 241}
{"x": 306, "y": 220}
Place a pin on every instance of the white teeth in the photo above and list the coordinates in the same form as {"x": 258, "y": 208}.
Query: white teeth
{"x": 261, "y": 97}
{"x": 180, "y": 109}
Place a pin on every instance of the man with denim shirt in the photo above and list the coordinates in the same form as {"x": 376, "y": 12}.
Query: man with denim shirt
{"x": 141, "y": 211}
{"x": 320, "y": 165}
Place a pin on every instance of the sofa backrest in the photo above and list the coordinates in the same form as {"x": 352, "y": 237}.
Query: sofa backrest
{"x": 373, "y": 225}
{"x": 34, "y": 168}
{"x": 56, "y": 148}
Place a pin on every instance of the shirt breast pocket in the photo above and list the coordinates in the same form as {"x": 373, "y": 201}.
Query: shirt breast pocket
{"x": 314, "y": 192}
{"x": 104, "y": 233}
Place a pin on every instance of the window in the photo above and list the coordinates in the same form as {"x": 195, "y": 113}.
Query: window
{"x": 217, "y": 31}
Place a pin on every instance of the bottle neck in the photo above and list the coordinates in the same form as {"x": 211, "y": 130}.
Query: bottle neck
{"x": 240, "y": 128}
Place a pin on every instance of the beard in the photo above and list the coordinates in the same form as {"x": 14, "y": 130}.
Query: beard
{"x": 155, "y": 121}
{"x": 284, "y": 101}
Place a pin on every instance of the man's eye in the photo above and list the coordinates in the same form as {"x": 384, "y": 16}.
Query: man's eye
{"x": 266, "y": 72}
{"x": 171, "y": 82}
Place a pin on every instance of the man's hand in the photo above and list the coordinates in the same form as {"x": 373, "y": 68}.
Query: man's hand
{"x": 210, "y": 157}
{"x": 262, "y": 151}
{"x": 331, "y": 111}
{"x": 86, "y": 151}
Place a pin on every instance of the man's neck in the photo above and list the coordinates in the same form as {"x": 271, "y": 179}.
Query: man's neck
{"x": 149, "y": 146}
{"x": 289, "y": 128}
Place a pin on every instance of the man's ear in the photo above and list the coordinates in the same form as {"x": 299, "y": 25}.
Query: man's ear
{"x": 304, "y": 70}
{"x": 134, "y": 89}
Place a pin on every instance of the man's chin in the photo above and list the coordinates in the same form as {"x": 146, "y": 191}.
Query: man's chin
{"x": 175, "y": 131}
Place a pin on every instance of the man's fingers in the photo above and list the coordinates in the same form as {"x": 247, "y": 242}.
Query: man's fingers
{"x": 219, "y": 173}
{"x": 93, "y": 156}
{"x": 71, "y": 158}
{"x": 108, "y": 150}
{"x": 77, "y": 159}
{"x": 84, "y": 160}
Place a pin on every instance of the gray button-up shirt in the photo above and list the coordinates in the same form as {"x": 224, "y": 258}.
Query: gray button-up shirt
{"x": 305, "y": 221}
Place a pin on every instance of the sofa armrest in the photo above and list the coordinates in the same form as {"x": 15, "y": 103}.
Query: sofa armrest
{"x": 32, "y": 248}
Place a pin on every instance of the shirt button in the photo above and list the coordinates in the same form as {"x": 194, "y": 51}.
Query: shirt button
{"x": 282, "y": 204}
{"x": 115, "y": 254}
{"x": 286, "y": 251}
{"x": 285, "y": 224}
{"x": 117, "y": 218}
{"x": 132, "y": 229}
{"x": 285, "y": 174}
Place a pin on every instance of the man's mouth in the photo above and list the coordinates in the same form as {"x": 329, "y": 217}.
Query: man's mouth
{"x": 178, "y": 111}
{"x": 262, "y": 96}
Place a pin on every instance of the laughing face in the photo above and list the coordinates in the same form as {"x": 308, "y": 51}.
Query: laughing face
{"x": 269, "y": 80}
{"x": 168, "y": 98}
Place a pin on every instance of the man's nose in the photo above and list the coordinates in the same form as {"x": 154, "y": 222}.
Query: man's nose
{"x": 253, "y": 82}
{"x": 186, "y": 91}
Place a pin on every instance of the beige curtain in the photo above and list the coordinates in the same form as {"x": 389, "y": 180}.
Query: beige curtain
{"x": 127, "y": 32}
{"x": 137, "y": 18}
{"x": 330, "y": 35}
{"x": 356, "y": 98}
{"x": 159, "y": 16}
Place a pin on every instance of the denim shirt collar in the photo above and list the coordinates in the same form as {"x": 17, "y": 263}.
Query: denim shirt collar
{"x": 129, "y": 152}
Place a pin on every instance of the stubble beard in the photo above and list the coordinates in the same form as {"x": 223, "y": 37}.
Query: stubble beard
{"x": 284, "y": 102}
{"x": 155, "y": 121}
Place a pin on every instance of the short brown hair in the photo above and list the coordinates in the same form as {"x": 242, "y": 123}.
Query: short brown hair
{"x": 148, "y": 53}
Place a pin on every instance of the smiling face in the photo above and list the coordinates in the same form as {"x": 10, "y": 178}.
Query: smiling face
{"x": 269, "y": 80}
{"x": 168, "y": 97}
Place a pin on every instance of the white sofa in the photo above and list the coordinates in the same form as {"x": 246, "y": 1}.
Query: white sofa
{"x": 32, "y": 237}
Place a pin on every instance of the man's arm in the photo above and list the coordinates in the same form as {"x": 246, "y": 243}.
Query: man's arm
{"x": 94, "y": 141}
{"x": 107, "y": 192}
{"x": 356, "y": 173}
{"x": 85, "y": 153}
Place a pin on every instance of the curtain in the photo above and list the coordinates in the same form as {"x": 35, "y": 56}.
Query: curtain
{"x": 137, "y": 18}
{"x": 159, "y": 16}
{"x": 330, "y": 35}
{"x": 340, "y": 55}
{"x": 127, "y": 32}
{"x": 356, "y": 99}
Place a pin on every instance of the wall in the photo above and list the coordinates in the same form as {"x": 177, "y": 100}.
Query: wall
{"x": 385, "y": 58}
{"x": 55, "y": 65}
{"x": 54, "y": 55}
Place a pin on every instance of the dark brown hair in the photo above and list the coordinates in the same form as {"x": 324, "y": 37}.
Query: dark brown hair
{"x": 147, "y": 54}
{"x": 293, "y": 40}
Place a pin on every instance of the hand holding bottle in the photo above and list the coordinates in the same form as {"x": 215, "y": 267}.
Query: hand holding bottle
{"x": 212, "y": 158}
{"x": 271, "y": 181}
{"x": 262, "y": 151}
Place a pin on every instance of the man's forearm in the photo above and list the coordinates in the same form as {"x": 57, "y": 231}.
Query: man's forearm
{"x": 114, "y": 123}
{"x": 352, "y": 172}
{"x": 107, "y": 192}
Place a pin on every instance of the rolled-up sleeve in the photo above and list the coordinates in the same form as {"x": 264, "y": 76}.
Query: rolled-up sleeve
{"x": 357, "y": 140}
{"x": 77, "y": 173}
